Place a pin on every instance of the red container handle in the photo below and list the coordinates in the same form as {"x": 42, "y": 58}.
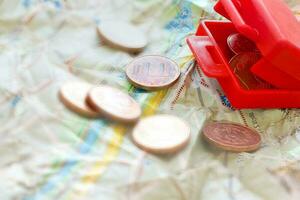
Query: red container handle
{"x": 200, "y": 46}
{"x": 238, "y": 20}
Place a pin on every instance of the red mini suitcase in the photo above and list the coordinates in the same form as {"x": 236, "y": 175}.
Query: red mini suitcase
{"x": 276, "y": 32}
{"x": 212, "y": 53}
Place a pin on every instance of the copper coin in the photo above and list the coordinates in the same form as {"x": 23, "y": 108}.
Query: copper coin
{"x": 152, "y": 72}
{"x": 114, "y": 104}
{"x": 73, "y": 95}
{"x": 161, "y": 134}
{"x": 122, "y": 35}
{"x": 240, "y": 44}
{"x": 232, "y": 137}
{"x": 241, "y": 65}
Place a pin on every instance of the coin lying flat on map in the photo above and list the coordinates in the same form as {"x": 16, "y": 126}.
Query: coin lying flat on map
{"x": 73, "y": 95}
{"x": 161, "y": 134}
{"x": 114, "y": 104}
{"x": 232, "y": 137}
{"x": 240, "y": 44}
{"x": 122, "y": 35}
{"x": 152, "y": 72}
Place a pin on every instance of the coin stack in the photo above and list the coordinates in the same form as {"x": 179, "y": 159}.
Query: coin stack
{"x": 100, "y": 101}
{"x": 245, "y": 56}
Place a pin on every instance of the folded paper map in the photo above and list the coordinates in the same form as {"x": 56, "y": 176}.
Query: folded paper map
{"x": 48, "y": 152}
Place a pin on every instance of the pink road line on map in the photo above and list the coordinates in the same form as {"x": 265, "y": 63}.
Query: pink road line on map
{"x": 139, "y": 171}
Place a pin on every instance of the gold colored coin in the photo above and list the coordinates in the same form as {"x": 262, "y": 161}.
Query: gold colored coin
{"x": 152, "y": 72}
{"x": 73, "y": 95}
{"x": 114, "y": 104}
{"x": 232, "y": 137}
{"x": 161, "y": 134}
{"x": 122, "y": 35}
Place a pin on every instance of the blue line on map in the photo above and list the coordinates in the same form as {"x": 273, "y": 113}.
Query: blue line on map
{"x": 15, "y": 101}
{"x": 26, "y": 3}
{"x": 140, "y": 91}
{"x": 84, "y": 148}
{"x": 182, "y": 21}
{"x": 97, "y": 20}
{"x": 90, "y": 139}
{"x": 225, "y": 101}
{"x": 57, "y": 4}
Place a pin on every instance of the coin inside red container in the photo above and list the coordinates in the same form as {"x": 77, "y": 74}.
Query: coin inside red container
{"x": 152, "y": 72}
{"x": 240, "y": 44}
{"x": 241, "y": 65}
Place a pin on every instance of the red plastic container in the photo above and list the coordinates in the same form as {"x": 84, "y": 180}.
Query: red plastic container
{"x": 276, "y": 32}
{"x": 277, "y": 44}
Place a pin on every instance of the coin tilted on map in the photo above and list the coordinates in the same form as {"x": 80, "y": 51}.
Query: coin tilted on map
{"x": 114, "y": 104}
{"x": 152, "y": 72}
{"x": 161, "y": 134}
{"x": 240, "y": 44}
{"x": 232, "y": 137}
{"x": 122, "y": 35}
{"x": 241, "y": 65}
{"x": 73, "y": 95}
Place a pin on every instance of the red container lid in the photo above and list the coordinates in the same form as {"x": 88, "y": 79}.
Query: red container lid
{"x": 276, "y": 32}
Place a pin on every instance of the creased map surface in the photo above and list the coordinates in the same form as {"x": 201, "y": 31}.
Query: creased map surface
{"x": 48, "y": 152}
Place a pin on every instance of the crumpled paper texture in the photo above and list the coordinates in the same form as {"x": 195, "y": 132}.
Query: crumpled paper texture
{"x": 48, "y": 152}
